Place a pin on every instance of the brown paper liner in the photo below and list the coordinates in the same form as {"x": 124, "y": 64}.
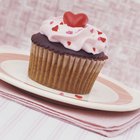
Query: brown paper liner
{"x": 63, "y": 72}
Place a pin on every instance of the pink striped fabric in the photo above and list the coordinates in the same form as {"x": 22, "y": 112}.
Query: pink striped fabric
{"x": 109, "y": 124}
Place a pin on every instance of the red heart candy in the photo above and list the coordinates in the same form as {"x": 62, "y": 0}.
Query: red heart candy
{"x": 75, "y": 20}
{"x": 55, "y": 28}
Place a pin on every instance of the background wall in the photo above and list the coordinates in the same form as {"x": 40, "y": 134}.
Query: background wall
{"x": 119, "y": 19}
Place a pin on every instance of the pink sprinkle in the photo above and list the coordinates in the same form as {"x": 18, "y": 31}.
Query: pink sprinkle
{"x": 62, "y": 94}
{"x": 51, "y": 22}
{"x": 92, "y": 30}
{"x": 69, "y": 32}
{"x": 78, "y": 30}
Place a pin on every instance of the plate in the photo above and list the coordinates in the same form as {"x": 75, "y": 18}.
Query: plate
{"x": 106, "y": 94}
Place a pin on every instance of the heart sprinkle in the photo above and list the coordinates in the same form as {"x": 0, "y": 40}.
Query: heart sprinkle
{"x": 55, "y": 28}
{"x": 102, "y": 39}
{"x": 99, "y": 33}
{"x": 69, "y": 32}
{"x": 75, "y": 20}
{"x": 51, "y": 22}
{"x": 92, "y": 30}
{"x": 69, "y": 43}
{"x": 62, "y": 94}
{"x": 78, "y": 30}
{"x": 61, "y": 23}
{"x": 78, "y": 96}
{"x": 94, "y": 49}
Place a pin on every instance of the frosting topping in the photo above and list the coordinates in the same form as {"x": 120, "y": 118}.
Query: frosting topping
{"x": 75, "y": 36}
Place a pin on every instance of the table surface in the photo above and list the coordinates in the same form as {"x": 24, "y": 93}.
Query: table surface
{"x": 18, "y": 122}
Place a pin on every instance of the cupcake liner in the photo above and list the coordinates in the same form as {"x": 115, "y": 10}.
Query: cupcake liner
{"x": 63, "y": 72}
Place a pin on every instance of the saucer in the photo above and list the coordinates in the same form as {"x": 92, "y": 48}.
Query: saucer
{"x": 106, "y": 94}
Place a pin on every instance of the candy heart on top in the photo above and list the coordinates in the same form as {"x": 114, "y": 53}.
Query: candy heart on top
{"x": 75, "y": 20}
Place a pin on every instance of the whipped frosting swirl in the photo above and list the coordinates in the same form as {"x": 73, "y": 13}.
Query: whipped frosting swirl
{"x": 88, "y": 38}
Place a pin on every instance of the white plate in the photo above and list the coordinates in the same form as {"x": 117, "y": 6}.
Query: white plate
{"x": 106, "y": 93}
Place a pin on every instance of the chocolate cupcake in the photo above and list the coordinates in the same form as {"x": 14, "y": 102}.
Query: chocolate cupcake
{"x": 67, "y": 54}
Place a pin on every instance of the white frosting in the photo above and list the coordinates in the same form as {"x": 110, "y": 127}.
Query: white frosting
{"x": 88, "y": 38}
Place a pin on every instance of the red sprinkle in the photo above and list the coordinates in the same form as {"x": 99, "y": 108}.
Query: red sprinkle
{"x": 94, "y": 49}
{"x": 99, "y": 33}
{"x": 55, "y": 28}
{"x": 69, "y": 43}
{"x": 61, "y": 23}
{"x": 78, "y": 96}
{"x": 102, "y": 39}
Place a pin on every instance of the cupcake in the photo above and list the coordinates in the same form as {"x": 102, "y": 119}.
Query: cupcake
{"x": 67, "y": 54}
